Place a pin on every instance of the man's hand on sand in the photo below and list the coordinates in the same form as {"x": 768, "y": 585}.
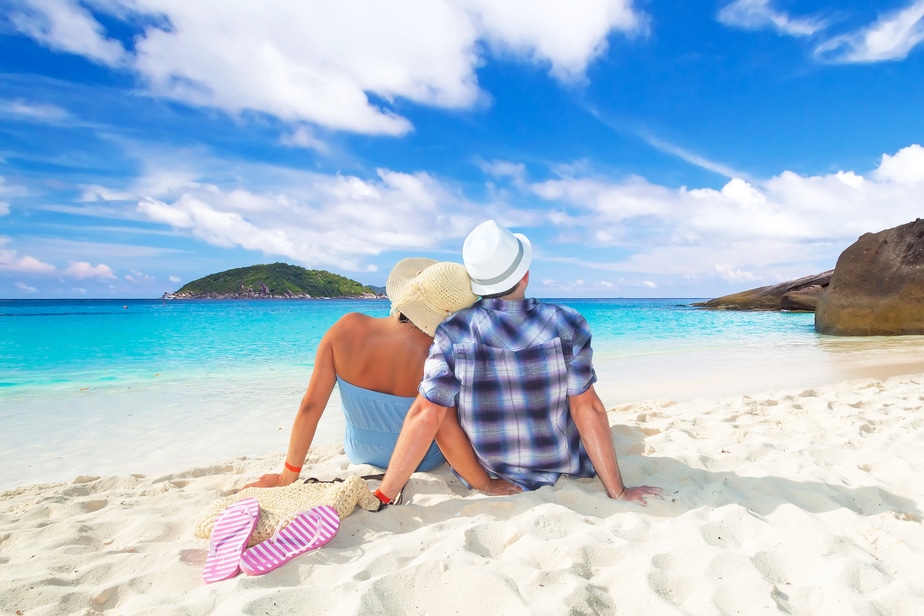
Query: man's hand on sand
{"x": 501, "y": 487}
{"x": 270, "y": 480}
{"x": 641, "y": 494}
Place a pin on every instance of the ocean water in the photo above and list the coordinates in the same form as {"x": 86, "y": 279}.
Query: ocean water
{"x": 153, "y": 386}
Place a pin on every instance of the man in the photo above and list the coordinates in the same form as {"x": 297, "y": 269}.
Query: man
{"x": 507, "y": 390}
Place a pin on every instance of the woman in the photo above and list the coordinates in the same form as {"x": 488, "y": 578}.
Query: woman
{"x": 377, "y": 363}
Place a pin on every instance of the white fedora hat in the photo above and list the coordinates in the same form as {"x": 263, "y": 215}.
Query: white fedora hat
{"x": 495, "y": 258}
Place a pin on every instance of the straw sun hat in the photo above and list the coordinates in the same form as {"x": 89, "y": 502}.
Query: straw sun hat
{"x": 428, "y": 291}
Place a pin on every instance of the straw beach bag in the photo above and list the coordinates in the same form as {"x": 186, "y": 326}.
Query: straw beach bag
{"x": 279, "y": 505}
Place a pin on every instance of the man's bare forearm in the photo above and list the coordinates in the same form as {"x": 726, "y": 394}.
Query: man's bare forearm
{"x": 417, "y": 434}
{"x": 589, "y": 416}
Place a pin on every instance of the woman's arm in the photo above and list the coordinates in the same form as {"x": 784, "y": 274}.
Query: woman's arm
{"x": 320, "y": 386}
{"x": 457, "y": 449}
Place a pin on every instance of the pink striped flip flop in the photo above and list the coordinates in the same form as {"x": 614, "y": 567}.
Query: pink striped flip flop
{"x": 308, "y": 531}
{"x": 230, "y": 534}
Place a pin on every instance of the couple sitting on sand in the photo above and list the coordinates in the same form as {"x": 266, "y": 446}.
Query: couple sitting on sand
{"x": 507, "y": 388}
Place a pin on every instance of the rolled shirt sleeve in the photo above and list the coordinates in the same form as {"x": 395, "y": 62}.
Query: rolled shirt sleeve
{"x": 439, "y": 384}
{"x": 581, "y": 373}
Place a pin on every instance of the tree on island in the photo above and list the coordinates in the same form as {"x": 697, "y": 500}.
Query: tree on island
{"x": 277, "y": 280}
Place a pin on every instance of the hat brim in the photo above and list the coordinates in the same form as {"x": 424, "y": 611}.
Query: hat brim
{"x": 402, "y": 274}
{"x": 424, "y": 318}
{"x": 509, "y": 281}
{"x": 433, "y": 294}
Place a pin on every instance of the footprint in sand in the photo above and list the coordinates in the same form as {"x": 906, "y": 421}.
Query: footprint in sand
{"x": 93, "y": 505}
{"x": 670, "y": 578}
{"x": 86, "y": 479}
{"x": 490, "y": 540}
{"x": 107, "y": 598}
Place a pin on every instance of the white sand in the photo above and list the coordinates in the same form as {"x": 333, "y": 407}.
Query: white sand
{"x": 801, "y": 501}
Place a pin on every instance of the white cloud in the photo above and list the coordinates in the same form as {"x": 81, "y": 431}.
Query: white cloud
{"x": 891, "y": 37}
{"x": 787, "y": 226}
{"x": 303, "y": 137}
{"x": 60, "y": 249}
{"x": 566, "y": 36}
{"x": 906, "y": 167}
{"x": 64, "y": 25}
{"x": 503, "y": 169}
{"x": 165, "y": 177}
{"x": 759, "y": 15}
{"x": 8, "y": 190}
{"x": 175, "y": 279}
{"x": 81, "y": 270}
{"x": 692, "y": 158}
{"x": 10, "y": 262}
{"x": 24, "y": 287}
{"x": 741, "y": 230}
{"x": 101, "y": 193}
{"x": 582, "y": 288}
{"x": 219, "y": 228}
{"x": 338, "y": 65}
{"x": 334, "y": 221}
{"x": 733, "y": 274}
{"x": 785, "y": 206}
{"x": 633, "y": 197}
{"x": 35, "y": 111}
{"x": 138, "y": 277}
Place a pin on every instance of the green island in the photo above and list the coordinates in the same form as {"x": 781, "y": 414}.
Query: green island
{"x": 274, "y": 281}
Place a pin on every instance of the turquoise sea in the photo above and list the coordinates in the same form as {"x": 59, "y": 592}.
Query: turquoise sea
{"x": 151, "y": 386}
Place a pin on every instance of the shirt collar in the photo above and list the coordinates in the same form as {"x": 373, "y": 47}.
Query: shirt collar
{"x": 506, "y": 305}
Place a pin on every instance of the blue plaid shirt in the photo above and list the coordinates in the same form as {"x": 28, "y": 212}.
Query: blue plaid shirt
{"x": 509, "y": 367}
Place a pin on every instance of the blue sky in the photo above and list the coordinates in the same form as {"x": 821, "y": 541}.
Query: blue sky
{"x": 648, "y": 149}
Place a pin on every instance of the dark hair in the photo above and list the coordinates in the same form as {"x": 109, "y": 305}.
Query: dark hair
{"x": 500, "y": 295}
{"x": 402, "y": 318}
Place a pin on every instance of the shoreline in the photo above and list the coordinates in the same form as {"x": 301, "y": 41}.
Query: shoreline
{"x": 802, "y": 500}
{"x": 719, "y": 372}
{"x": 177, "y": 420}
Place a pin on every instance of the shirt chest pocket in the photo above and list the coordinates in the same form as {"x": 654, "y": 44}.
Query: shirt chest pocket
{"x": 498, "y": 382}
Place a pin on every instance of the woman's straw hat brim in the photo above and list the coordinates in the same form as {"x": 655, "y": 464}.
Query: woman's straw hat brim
{"x": 428, "y": 291}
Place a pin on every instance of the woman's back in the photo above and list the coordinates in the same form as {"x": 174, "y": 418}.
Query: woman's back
{"x": 378, "y": 363}
{"x": 380, "y": 354}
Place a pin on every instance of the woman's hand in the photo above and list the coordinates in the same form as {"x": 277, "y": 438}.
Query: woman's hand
{"x": 270, "y": 480}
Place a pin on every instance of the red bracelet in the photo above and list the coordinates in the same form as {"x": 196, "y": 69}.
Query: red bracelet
{"x": 294, "y": 469}
{"x": 381, "y": 496}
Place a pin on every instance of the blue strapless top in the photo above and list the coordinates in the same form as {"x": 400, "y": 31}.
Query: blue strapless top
{"x": 373, "y": 421}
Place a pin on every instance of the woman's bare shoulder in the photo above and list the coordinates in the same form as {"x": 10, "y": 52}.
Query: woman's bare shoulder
{"x": 356, "y": 324}
{"x": 356, "y": 318}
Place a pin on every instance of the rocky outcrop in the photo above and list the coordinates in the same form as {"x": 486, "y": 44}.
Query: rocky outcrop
{"x": 804, "y": 300}
{"x": 877, "y": 288}
{"x": 801, "y": 294}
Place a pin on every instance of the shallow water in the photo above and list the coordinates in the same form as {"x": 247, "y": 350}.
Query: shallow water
{"x": 151, "y": 386}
